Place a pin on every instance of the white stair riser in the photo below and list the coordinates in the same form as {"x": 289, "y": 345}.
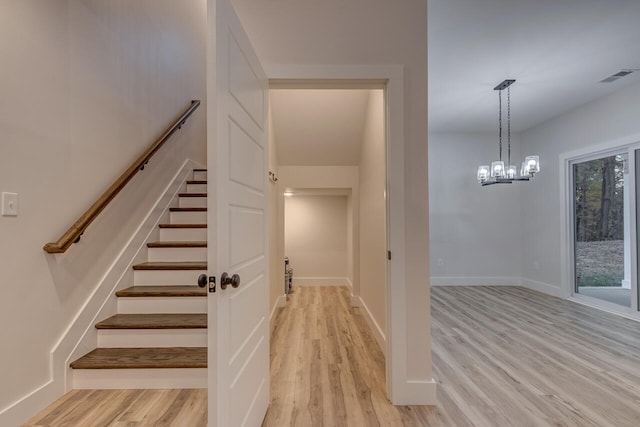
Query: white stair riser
{"x": 177, "y": 254}
{"x": 188, "y": 217}
{"x": 196, "y": 188}
{"x": 200, "y": 176}
{"x": 153, "y": 305}
{"x": 118, "y": 338}
{"x": 192, "y": 202}
{"x": 183, "y": 234}
{"x": 167, "y": 277}
{"x": 89, "y": 379}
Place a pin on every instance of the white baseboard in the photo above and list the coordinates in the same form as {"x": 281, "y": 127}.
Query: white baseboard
{"x": 545, "y": 288}
{"x": 376, "y": 330}
{"x": 320, "y": 281}
{"x": 475, "y": 281}
{"x": 80, "y": 336}
{"x": 415, "y": 392}
{"x": 280, "y": 303}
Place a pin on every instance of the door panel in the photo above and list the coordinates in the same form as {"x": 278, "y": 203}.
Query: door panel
{"x": 247, "y": 228}
{"x": 246, "y": 159}
{"x": 238, "y": 317}
{"x": 244, "y": 83}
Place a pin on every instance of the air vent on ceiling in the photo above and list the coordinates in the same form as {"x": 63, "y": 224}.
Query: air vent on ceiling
{"x": 612, "y": 78}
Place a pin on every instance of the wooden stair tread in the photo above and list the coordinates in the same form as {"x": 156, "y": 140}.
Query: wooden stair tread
{"x": 174, "y": 265}
{"x": 197, "y": 181}
{"x": 199, "y": 170}
{"x": 162, "y": 291}
{"x": 178, "y": 244}
{"x": 192, "y": 194}
{"x": 155, "y": 321}
{"x": 188, "y": 209}
{"x": 182, "y": 225}
{"x": 143, "y": 358}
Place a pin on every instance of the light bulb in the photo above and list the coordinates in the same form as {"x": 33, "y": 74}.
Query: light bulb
{"x": 532, "y": 165}
{"x": 497, "y": 169}
{"x": 483, "y": 173}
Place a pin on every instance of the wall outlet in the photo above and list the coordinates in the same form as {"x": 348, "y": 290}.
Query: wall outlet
{"x": 9, "y": 204}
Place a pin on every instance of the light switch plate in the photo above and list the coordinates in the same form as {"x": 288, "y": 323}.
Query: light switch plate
{"x": 9, "y": 204}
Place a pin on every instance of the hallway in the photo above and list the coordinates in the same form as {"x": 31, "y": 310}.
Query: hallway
{"x": 326, "y": 368}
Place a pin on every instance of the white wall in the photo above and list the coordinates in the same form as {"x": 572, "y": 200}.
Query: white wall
{"x": 86, "y": 87}
{"x": 603, "y": 121}
{"x": 361, "y": 32}
{"x": 327, "y": 178}
{"x": 475, "y": 230}
{"x": 373, "y": 231}
{"x": 315, "y": 235}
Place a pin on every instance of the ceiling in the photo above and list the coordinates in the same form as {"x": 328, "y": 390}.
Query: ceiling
{"x": 318, "y": 127}
{"x": 557, "y": 50}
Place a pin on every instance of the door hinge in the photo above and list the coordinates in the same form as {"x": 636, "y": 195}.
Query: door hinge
{"x": 389, "y": 255}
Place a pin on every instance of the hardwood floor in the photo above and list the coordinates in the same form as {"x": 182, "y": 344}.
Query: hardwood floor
{"x": 509, "y": 356}
{"x": 119, "y": 408}
{"x": 502, "y": 356}
{"x": 326, "y": 368}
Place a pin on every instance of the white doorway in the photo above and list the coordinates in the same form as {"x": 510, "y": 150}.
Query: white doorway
{"x": 407, "y": 360}
{"x": 340, "y": 163}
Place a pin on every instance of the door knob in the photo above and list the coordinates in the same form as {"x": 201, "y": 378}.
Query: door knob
{"x": 225, "y": 281}
{"x": 202, "y": 280}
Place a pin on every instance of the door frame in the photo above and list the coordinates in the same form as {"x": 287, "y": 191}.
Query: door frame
{"x": 567, "y": 239}
{"x": 400, "y": 390}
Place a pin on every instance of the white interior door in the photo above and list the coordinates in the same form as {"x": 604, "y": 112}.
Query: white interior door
{"x": 237, "y": 160}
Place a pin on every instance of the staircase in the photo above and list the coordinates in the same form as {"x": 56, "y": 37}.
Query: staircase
{"x": 158, "y": 338}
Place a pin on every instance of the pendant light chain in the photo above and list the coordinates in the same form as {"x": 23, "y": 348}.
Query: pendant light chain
{"x": 509, "y": 126}
{"x": 500, "y": 125}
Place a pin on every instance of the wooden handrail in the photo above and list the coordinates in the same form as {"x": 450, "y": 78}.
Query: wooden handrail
{"x": 73, "y": 234}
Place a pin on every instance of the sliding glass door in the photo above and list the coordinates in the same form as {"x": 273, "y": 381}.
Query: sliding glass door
{"x": 601, "y": 224}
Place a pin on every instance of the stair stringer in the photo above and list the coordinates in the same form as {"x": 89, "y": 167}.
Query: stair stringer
{"x": 81, "y": 335}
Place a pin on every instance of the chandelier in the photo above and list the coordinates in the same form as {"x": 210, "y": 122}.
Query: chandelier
{"x": 498, "y": 173}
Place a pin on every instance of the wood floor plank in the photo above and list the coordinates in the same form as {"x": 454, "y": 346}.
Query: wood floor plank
{"x": 162, "y": 291}
{"x": 143, "y": 358}
{"x": 173, "y": 265}
{"x": 155, "y": 321}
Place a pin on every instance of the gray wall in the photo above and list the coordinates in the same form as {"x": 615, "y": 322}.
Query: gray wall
{"x": 511, "y": 234}
{"x": 603, "y": 121}
{"x": 474, "y": 230}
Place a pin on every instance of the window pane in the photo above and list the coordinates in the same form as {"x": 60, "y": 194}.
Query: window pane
{"x": 599, "y": 221}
